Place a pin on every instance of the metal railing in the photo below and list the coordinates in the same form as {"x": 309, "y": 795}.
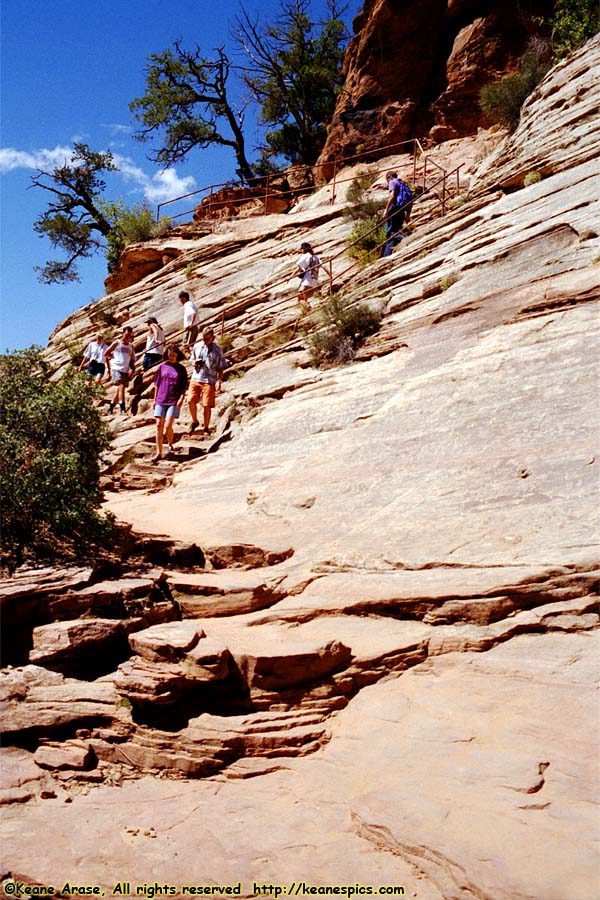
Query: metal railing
{"x": 240, "y": 306}
{"x": 439, "y": 188}
{"x": 265, "y": 182}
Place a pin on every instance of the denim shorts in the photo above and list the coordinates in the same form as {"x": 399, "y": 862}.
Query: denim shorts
{"x": 161, "y": 411}
{"x": 95, "y": 368}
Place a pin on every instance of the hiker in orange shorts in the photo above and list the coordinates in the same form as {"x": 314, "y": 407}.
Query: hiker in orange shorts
{"x": 208, "y": 365}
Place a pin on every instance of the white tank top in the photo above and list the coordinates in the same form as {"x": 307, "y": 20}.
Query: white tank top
{"x": 156, "y": 345}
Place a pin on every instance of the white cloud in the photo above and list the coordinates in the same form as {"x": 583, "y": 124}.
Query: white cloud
{"x": 163, "y": 185}
{"x": 167, "y": 185}
{"x": 11, "y": 159}
{"x": 115, "y": 128}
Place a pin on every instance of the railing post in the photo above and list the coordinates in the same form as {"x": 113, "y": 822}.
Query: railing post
{"x": 333, "y": 184}
{"x": 330, "y": 266}
{"x": 415, "y": 163}
{"x": 444, "y": 194}
{"x": 267, "y": 192}
{"x": 424, "y": 174}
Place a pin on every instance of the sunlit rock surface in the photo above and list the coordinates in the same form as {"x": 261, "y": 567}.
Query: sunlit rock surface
{"x": 376, "y": 657}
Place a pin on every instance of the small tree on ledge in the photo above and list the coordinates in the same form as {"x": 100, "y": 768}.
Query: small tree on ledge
{"x": 74, "y": 221}
{"x": 186, "y": 101}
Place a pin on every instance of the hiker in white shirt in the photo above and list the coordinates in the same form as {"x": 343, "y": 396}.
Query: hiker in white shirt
{"x": 120, "y": 362}
{"x": 155, "y": 344}
{"x": 93, "y": 359}
{"x": 307, "y": 269}
{"x": 191, "y": 320}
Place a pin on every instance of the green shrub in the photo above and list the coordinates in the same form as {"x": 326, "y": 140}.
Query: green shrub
{"x": 447, "y": 282}
{"x": 130, "y": 225}
{"x": 368, "y": 233}
{"x": 51, "y": 436}
{"x": 532, "y": 178}
{"x": 366, "y": 239}
{"x": 360, "y": 206}
{"x": 343, "y": 328}
{"x": 573, "y": 22}
{"x": 74, "y": 345}
{"x": 502, "y": 100}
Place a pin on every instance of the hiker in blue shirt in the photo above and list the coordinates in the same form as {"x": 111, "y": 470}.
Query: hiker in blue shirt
{"x": 397, "y": 210}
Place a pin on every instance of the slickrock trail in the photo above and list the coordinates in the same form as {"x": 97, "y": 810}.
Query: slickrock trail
{"x": 356, "y": 643}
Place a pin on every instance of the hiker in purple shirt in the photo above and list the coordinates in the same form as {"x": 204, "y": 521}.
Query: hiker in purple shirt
{"x": 397, "y": 210}
{"x": 170, "y": 386}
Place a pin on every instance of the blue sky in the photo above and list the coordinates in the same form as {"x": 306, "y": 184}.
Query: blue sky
{"x": 69, "y": 69}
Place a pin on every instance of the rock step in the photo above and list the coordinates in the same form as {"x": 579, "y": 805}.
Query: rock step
{"x": 163, "y": 467}
{"x": 182, "y": 452}
{"x": 294, "y": 719}
{"x": 142, "y": 483}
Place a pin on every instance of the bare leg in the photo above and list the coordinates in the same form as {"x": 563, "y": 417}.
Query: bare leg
{"x": 206, "y": 413}
{"x": 160, "y": 425}
{"x": 114, "y": 400}
{"x": 169, "y": 431}
{"x": 303, "y": 299}
{"x": 193, "y": 407}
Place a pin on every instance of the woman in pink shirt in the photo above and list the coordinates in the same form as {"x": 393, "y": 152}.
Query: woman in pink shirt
{"x": 170, "y": 386}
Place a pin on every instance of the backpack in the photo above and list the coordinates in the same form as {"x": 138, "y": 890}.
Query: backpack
{"x": 313, "y": 268}
{"x": 404, "y": 194}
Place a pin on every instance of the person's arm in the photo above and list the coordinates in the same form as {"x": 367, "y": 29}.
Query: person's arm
{"x": 84, "y": 359}
{"x": 388, "y": 205}
{"x": 222, "y": 364}
{"x": 108, "y": 357}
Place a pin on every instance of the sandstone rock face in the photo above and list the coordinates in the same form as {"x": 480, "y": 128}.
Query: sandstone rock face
{"x": 420, "y": 66}
{"x": 243, "y": 202}
{"x": 167, "y": 642}
{"x": 400, "y": 687}
{"x": 136, "y": 262}
{"x": 68, "y": 755}
{"x": 37, "y": 701}
{"x": 61, "y": 640}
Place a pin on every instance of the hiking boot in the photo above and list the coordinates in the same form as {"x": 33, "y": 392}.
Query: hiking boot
{"x": 111, "y": 408}
{"x": 122, "y": 407}
{"x": 193, "y": 427}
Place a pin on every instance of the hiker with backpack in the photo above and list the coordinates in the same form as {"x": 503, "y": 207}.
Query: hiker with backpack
{"x": 397, "y": 211}
{"x": 308, "y": 272}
